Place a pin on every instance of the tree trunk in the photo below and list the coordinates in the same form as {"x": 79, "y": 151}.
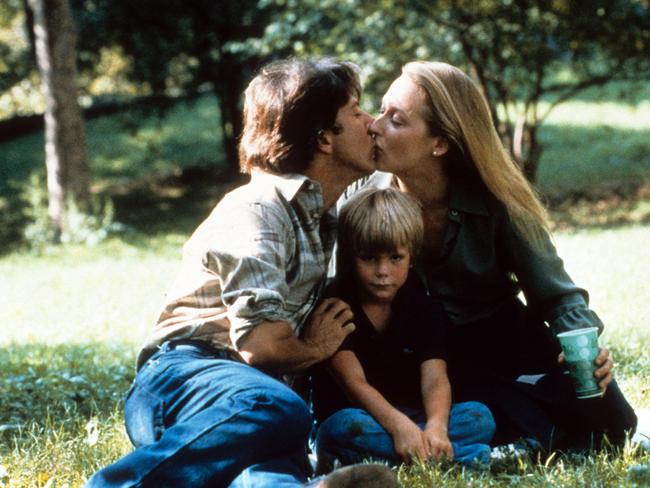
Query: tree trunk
{"x": 230, "y": 127}
{"x": 29, "y": 26}
{"x": 65, "y": 138}
{"x": 231, "y": 123}
{"x": 229, "y": 90}
{"x": 526, "y": 150}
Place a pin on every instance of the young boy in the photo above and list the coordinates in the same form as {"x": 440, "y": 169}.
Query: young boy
{"x": 393, "y": 400}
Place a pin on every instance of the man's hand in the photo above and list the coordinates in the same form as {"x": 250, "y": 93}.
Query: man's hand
{"x": 437, "y": 442}
{"x": 273, "y": 346}
{"x": 605, "y": 365}
{"x": 328, "y": 326}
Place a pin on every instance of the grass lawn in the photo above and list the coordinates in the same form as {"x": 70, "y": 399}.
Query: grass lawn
{"x": 72, "y": 321}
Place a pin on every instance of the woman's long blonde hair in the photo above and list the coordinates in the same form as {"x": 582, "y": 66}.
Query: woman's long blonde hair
{"x": 457, "y": 110}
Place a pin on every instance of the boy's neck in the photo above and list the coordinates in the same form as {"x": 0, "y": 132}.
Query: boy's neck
{"x": 378, "y": 313}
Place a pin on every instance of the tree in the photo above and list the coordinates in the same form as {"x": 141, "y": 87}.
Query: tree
{"x": 15, "y": 58}
{"x": 527, "y": 56}
{"x": 65, "y": 144}
{"x": 180, "y": 47}
{"x": 516, "y": 49}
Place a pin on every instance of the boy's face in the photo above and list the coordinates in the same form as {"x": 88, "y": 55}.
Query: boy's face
{"x": 380, "y": 275}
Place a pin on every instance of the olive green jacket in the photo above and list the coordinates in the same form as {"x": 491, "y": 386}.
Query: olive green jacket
{"x": 484, "y": 263}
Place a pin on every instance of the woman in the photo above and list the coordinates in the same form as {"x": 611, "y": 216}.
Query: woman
{"x": 486, "y": 239}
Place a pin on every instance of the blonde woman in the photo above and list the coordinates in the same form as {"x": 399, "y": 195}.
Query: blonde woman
{"x": 486, "y": 239}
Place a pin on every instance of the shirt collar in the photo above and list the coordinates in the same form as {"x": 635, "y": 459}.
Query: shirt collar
{"x": 465, "y": 195}
{"x": 468, "y": 196}
{"x": 287, "y": 184}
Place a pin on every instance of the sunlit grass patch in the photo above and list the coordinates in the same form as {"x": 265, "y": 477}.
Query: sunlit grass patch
{"x": 601, "y": 470}
{"x": 109, "y": 293}
{"x": 50, "y": 454}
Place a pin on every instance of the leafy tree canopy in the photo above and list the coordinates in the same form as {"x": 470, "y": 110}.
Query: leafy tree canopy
{"x": 527, "y": 55}
{"x": 15, "y": 62}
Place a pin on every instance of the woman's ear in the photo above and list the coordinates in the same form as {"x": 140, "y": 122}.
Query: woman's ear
{"x": 440, "y": 146}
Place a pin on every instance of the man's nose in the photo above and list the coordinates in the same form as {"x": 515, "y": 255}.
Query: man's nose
{"x": 371, "y": 120}
{"x": 372, "y": 128}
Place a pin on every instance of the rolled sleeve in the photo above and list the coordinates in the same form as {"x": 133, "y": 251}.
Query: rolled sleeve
{"x": 251, "y": 261}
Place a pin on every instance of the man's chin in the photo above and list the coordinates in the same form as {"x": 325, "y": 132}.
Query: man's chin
{"x": 382, "y": 165}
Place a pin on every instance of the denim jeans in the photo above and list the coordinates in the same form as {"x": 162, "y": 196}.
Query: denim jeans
{"x": 197, "y": 420}
{"x": 352, "y": 435}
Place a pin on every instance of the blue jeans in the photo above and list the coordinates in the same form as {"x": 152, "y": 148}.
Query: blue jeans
{"x": 197, "y": 420}
{"x": 352, "y": 435}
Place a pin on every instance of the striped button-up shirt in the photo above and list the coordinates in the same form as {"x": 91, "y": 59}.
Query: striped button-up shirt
{"x": 261, "y": 255}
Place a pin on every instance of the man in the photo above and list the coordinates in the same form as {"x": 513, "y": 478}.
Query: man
{"x": 206, "y": 407}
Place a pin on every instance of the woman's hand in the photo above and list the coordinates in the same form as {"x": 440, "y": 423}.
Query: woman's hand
{"x": 409, "y": 443}
{"x": 604, "y": 363}
{"x": 437, "y": 442}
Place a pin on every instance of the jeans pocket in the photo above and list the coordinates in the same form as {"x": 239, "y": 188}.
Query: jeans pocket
{"x": 143, "y": 416}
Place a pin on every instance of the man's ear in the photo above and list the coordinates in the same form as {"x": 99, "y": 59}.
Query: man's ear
{"x": 440, "y": 146}
{"x": 325, "y": 141}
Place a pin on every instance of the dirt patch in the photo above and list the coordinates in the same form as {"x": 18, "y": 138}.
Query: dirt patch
{"x": 601, "y": 207}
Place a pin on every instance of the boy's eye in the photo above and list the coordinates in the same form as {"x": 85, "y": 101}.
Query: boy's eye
{"x": 366, "y": 257}
{"x": 397, "y": 257}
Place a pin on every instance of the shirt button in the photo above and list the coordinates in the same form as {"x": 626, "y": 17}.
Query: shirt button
{"x": 315, "y": 215}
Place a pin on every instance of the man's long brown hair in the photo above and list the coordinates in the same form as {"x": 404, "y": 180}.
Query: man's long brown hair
{"x": 287, "y": 107}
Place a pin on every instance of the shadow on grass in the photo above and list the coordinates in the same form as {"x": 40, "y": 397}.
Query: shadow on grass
{"x": 592, "y": 161}
{"x": 40, "y": 383}
{"x": 176, "y": 203}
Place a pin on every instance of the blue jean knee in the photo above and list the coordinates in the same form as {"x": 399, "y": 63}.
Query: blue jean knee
{"x": 478, "y": 417}
{"x": 352, "y": 435}
{"x": 471, "y": 428}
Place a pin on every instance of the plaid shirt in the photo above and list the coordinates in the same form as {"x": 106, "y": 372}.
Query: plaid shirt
{"x": 261, "y": 255}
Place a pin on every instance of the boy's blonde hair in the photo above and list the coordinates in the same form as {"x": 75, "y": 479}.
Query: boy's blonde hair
{"x": 377, "y": 220}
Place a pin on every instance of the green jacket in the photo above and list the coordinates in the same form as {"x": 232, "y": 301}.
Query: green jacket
{"x": 484, "y": 263}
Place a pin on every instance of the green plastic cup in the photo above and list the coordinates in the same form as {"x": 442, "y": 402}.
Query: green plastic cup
{"x": 580, "y": 348}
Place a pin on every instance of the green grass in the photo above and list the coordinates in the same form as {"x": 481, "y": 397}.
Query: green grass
{"x": 131, "y": 144}
{"x": 591, "y": 145}
{"x": 72, "y": 320}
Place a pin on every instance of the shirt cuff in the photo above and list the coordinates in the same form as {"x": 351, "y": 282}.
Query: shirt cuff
{"x": 575, "y": 317}
{"x": 247, "y": 312}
